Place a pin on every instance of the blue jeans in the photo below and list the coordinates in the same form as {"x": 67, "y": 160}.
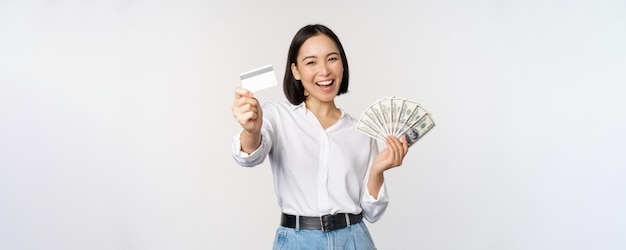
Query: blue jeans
{"x": 355, "y": 237}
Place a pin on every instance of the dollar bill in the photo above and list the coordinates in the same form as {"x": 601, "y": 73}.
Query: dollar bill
{"x": 385, "y": 109}
{"x": 397, "y": 107}
{"x": 368, "y": 126}
{"x": 375, "y": 111}
{"x": 397, "y": 116}
{"x": 414, "y": 113}
{"x": 416, "y": 132}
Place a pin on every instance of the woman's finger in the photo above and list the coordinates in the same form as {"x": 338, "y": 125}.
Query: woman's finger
{"x": 242, "y": 92}
{"x": 405, "y": 145}
{"x": 244, "y": 103}
{"x": 401, "y": 148}
{"x": 393, "y": 146}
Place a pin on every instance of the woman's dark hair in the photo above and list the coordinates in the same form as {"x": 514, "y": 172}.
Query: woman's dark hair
{"x": 294, "y": 91}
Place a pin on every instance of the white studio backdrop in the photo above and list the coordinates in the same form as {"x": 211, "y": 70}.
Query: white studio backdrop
{"x": 115, "y": 123}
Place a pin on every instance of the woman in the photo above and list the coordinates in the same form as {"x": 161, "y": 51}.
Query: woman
{"x": 327, "y": 176}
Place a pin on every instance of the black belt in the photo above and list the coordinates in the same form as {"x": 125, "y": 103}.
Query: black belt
{"x": 327, "y": 223}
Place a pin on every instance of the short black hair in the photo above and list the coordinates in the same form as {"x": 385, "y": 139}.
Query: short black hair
{"x": 294, "y": 91}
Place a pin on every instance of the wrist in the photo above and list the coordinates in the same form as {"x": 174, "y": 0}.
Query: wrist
{"x": 377, "y": 170}
{"x": 249, "y": 141}
{"x": 375, "y": 182}
{"x": 377, "y": 176}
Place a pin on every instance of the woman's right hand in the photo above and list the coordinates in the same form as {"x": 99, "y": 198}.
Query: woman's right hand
{"x": 247, "y": 111}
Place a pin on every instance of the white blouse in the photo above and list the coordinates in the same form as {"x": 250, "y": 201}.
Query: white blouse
{"x": 316, "y": 171}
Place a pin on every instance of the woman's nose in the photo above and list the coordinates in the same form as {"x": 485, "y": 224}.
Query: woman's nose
{"x": 325, "y": 70}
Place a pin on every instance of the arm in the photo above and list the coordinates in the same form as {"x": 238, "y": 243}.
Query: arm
{"x": 374, "y": 199}
{"x": 389, "y": 158}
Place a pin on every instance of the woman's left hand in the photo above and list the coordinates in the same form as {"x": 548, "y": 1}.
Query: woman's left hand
{"x": 392, "y": 156}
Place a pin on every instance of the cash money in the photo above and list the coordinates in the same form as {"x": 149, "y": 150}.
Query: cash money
{"x": 397, "y": 116}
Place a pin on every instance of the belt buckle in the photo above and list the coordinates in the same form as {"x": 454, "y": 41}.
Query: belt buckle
{"x": 327, "y": 222}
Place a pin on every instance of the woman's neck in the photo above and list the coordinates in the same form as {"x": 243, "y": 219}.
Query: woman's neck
{"x": 326, "y": 112}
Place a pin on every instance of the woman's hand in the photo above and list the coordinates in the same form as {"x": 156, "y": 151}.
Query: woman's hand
{"x": 389, "y": 158}
{"x": 392, "y": 156}
{"x": 247, "y": 111}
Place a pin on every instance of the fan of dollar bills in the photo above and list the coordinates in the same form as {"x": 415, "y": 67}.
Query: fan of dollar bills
{"x": 395, "y": 116}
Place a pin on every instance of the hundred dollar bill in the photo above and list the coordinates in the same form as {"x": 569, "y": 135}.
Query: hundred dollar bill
{"x": 404, "y": 114}
{"x": 369, "y": 127}
{"x": 387, "y": 114}
{"x": 397, "y": 108}
{"x": 375, "y": 118}
{"x": 413, "y": 113}
{"x": 395, "y": 116}
{"x": 375, "y": 112}
{"x": 414, "y": 133}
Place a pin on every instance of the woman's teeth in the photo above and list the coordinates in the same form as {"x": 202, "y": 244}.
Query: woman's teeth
{"x": 325, "y": 83}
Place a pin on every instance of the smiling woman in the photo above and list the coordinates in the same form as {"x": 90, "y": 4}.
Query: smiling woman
{"x": 306, "y": 51}
{"x": 317, "y": 68}
{"x": 112, "y": 131}
{"x": 328, "y": 181}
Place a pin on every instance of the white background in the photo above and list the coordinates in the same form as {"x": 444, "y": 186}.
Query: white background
{"x": 115, "y": 123}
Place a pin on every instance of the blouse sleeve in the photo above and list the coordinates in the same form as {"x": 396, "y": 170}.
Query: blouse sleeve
{"x": 249, "y": 160}
{"x": 257, "y": 156}
{"x": 373, "y": 209}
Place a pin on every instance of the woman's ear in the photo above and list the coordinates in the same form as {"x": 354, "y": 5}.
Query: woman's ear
{"x": 295, "y": 72}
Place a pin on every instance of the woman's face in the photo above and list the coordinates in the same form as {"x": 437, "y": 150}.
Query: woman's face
{"x": 319, "y": 68}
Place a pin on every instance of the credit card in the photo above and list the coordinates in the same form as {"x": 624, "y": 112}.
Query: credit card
{"x": 258, "y": 79}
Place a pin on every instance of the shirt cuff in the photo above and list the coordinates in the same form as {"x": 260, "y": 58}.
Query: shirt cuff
{"x": 237, "y": 147}
{"x": 382, "y": 196}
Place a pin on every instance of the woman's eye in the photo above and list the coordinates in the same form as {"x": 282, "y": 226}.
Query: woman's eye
{"x": 310, "y": 63}
{"x": 333, "y": 59}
